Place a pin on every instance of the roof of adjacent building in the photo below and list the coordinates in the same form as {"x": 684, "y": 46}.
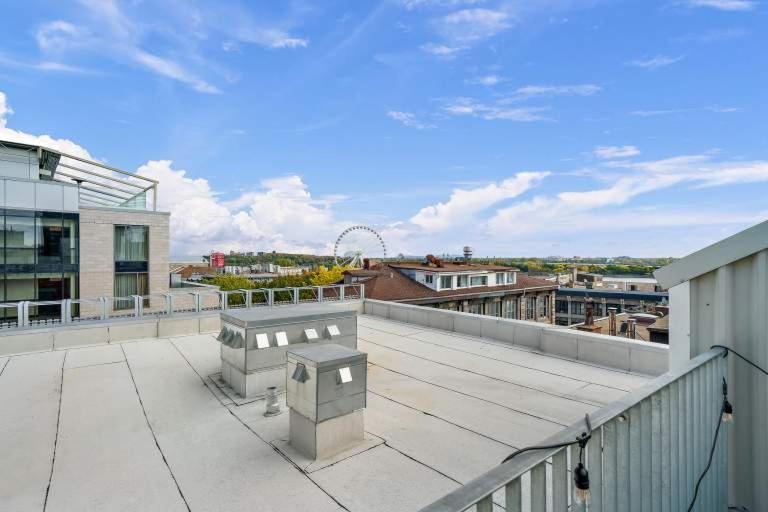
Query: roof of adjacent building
{"x": 453, "y": 267}
{"x": 736, "y": 247}
{"x": 388, "y": 283}
{"x": 145, "y": 425}
{"x": 612, "y": 294}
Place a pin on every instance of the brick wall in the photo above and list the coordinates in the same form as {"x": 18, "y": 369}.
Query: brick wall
{"x": 97, "y": 261}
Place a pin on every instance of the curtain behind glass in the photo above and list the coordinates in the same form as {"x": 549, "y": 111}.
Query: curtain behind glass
{"x": 131, "y": 243}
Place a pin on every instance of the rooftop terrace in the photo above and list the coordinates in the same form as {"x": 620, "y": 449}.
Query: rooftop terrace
{"x": 143, "y": 425}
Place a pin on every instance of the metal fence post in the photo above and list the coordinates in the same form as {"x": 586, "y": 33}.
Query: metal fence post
{"x": 66, "y": 311}
{"x": 224, "y": 300}
{"x": 22, "y": 310}
{"x": 138, "y": 306}
{"x": 270, "y": 297}
{"x": 320, "y": 294}
{"x": 295, "y": 295}
{"x": 196, "y": 295}
{"x": 103, "y": 308}
{"x": 248, "y": 298}
{"x": 341, "y": 292}
{"x": 362, "y": 291}
{"x": 168, "y": 304}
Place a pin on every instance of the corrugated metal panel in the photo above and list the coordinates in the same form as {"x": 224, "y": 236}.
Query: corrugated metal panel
{"x": 729, "y": 306}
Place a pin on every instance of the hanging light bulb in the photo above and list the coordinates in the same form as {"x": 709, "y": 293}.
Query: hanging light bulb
{"x": 727, "y": 412}
{"x": 727, "y": 407}
{"x": 581, "y": 484}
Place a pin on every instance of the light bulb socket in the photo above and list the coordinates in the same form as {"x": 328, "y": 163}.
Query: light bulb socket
{"x": 581, "y": 483}
{"x": 727, "y": 412}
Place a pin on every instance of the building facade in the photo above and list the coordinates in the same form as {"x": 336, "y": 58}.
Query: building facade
{"x": 73, "y": 228}
{"x": 480, "y": 289}
{"x": 570, "y": 304}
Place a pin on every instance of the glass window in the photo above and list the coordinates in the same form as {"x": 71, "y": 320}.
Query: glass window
{"x": 530, "y": 308}
{"x": 130, "y": 284}
{"x": 49, "y": 233}
{"x": 446, "y": 282}
{"x": 543, "y": 305}
{"x": 510, "y": 308}
{"x": 429, "y": 279}
{"x": 131, "y": 243}
{"x": 499, "y": 279}
{"x": 511, "y": 278}
{"x": 69, "y": 239}
{"x": 20, "y": 240}
{"x": 463, "y": 281}
{"x": 478, "y": 281}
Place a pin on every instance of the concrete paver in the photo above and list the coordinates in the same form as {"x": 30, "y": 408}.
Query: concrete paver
{"x": 29, "y": 410}
{"x": 550, "y": 407}
{"x": 218, "y": 463}
{"x": 106, "y": 457}
{"x": 382, "y": 480}
{"x": 89, "y": 356}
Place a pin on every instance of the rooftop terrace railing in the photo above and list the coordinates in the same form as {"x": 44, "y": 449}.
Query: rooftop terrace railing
{"x": 30, "y": 314}
{"x": 646, "y": 453}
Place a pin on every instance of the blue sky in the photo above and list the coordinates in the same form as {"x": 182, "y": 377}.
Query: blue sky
{"x": 519, "y": 127}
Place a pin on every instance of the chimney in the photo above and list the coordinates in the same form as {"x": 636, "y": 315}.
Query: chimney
{"x": 366, "y": 264}
{"x": 632, "y": 331}
{"x": 467, "y": 253}
{"x": 612, "y": 321}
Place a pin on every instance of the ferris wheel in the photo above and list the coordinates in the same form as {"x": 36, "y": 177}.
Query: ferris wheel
{"x": 356, "y": 243}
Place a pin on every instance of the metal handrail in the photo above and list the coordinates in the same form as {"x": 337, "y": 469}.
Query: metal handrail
{"x": 217, "y": 300}
{"x": 482, "y": 488}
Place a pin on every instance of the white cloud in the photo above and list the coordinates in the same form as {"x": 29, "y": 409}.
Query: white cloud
{"x": 487, "y": 80}
{"x": 441, "y": 50}
{"x": 471, "y": 25}
{"x": 656, "y": 62}
{"x": 724, "y": 5}
{"x": 609, "y": 152}
{"x": 409, "y": 119}
{"x": 463, "y": 205}
{"x": 496, "y": 111}
{"x": 415, "y": 4}
{"x": 59, "y": 35}
{"x": 538, "y": 91}
{"x": 571, "y": 209}
{"x": 174, "y": 70}
{"x": 666, "y": 112}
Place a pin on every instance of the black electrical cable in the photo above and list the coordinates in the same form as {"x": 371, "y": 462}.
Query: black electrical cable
{"x": 709, "y": 462}
{"x": 729, "y": 349}
{"x": 719, "y": 419}
{"x": 581, "y": 440}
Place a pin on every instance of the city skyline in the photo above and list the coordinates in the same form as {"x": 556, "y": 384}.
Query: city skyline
{"x": 571, "y": 127}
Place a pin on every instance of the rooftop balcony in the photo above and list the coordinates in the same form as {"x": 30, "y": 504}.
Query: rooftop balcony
{"x": 30, "y": 172}
{"x": 123, "y": 421}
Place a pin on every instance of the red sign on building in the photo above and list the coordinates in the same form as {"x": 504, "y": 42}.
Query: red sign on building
{"x": 217, "y": 259}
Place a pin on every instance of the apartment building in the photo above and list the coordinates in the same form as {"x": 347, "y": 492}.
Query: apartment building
{"x": 490, "y": 290}
{"x": 75, "y": 228}
{"x": 570, "y": 303}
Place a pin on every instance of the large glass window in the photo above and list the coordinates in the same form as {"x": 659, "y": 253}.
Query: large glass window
{"x": 131, "y": 243}
{"x": 446, "y": 282}
{"x": 499, "y": 279}
{"x": 131, "y": 264}
{"x": 462, "y": 281}
{"x": 38, "y": 260}
{"x": 478, "y": 281}
{"x": 20, "y": 239}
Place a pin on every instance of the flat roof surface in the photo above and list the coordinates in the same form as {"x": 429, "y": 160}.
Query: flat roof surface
{"x": 141, "y": 425}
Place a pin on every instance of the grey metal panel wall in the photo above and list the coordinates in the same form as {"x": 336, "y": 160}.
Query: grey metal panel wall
{"x": 729, "y": 306}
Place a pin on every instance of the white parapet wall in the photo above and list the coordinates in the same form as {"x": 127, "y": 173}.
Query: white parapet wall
{"x": 611, "y": 351}
{"x": 19, "y": 341}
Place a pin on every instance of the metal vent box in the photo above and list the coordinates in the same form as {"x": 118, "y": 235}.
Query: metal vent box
{"x": 254, "y": 341}
{"x": 326, "y": 381}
